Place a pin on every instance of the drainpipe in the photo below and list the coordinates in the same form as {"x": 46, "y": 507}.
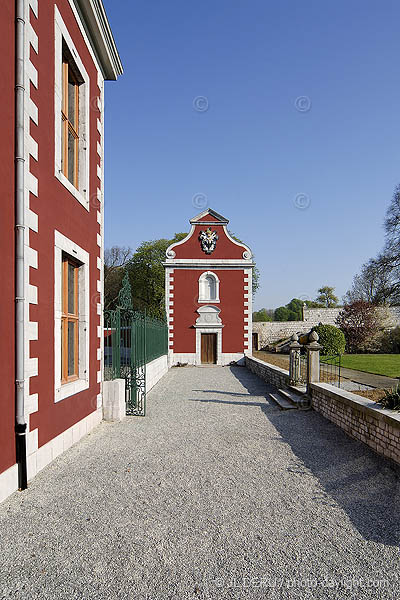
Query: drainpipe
{"x": 20, "y": 423}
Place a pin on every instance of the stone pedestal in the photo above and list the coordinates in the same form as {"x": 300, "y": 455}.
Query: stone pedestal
{"x": 294, "y": 362}
{"x": 313, "y": 350}
{"x": 114, "y": 408}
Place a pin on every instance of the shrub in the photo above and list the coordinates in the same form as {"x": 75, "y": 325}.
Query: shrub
{"x": 390, "y": 341}
{"x": 391, "y": 399}
{"x": 360, "y": 324}
{"x": 331, "y": 339}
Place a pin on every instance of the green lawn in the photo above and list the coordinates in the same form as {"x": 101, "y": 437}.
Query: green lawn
{"x": 380, "y": 364}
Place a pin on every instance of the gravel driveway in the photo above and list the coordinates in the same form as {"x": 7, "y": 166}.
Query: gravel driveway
{"x": 215, "y": 494}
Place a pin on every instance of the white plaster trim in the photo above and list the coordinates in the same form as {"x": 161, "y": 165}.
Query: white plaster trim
{"x": 249, "y": 304}
{"x": 32, "y": 184}
{"x": 85, "y": 37}
{"x": 31, "y": 404}
{"x": 32, "y": 111}
{"x": 32, "y": 220}
{"x": 34, "y": 6}
{"x": 32, "y": 147}
{"x": 190, "y": 358}
{"x": 201, "y": 282}
{"x": 170, "y": 249}
{"x": 213, "y": 263}
{"x": 31, "y": 363}
{"x": 63, "y": 244}
{"x": 218, "y": 331}
{"x": 32, "y": 73}
{"x": 155, "y": 370}
{"x": 47, "y": 453}
{"x": 241, "y": 245}
{"x": 32, "y": 37}
{"x": 209, "y": 211}
{"x": 82, "y": 195}
{"x": 32, "y": 294}
{"x": 8, "y": 482}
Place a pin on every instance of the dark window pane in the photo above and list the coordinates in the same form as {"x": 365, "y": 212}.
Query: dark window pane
{"x": 71, "y": 102}
{"x": 63, "y": 157}
{"x": 71, "y": 158}
{"x": 71, "y": 348}
{"x": 71, "y": 289}
{"x": 62, "y": 348}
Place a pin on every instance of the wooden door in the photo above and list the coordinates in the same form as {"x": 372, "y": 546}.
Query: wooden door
{"x": 255, "y": 341}
{"x": 209, "y": 348}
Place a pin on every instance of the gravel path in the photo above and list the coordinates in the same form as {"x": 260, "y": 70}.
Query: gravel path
{"x": 215, "y": 494}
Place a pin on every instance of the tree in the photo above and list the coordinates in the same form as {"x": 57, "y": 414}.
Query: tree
{"x": 282, "y": 313}
{"x": 379, "y": 279}
{"x": 147, "y": 275}
{"x": 296, "y": 307}
{"x": 293, "y": 311}
{"x": 327, "y": 297}
{"x": 359, "y": 322}
{"x": 115, "y": 259}
{"x": 256, "y": 272}
{"x": 261, "y": 316}
{"x": 374, "y": 283}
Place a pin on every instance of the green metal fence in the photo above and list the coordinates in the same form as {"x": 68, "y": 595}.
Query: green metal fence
{"x": 156, "y": 336}
{"x": 132, "y": 340}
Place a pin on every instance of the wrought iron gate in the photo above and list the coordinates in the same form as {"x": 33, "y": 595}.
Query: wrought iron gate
{"x": 131, "y": 340}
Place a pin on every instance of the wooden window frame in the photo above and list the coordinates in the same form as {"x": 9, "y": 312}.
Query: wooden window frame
{"x": 67, "y": 317}
{"x": 67, "y": 125}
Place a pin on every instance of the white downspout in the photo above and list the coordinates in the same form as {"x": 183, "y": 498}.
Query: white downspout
{"x": 20, "y": 422}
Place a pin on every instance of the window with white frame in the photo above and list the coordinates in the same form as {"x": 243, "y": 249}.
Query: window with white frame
{"x": 71, "y": 309}
{"x": 71, "y": 115}
{"x": 208, "y": 287}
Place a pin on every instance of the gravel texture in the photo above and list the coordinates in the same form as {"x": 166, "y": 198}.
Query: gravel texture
{"x": 215, "y": 494}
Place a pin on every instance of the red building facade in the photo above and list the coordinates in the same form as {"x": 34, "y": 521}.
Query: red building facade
{"x": 208, "y": 293}
{"x": 54, "y": 61}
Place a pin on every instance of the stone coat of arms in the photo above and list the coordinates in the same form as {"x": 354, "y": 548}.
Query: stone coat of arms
{"x": 208, "y": 240}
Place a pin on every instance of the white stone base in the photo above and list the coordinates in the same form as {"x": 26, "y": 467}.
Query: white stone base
{"x": 192, "y": 359}
{"x": 155, "y": 370}
{"x": 47, "y": 453}
{"x": 8, "y": 482}
{"x": 114, "y": 404}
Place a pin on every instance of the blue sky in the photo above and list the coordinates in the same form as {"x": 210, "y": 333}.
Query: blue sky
{"x": 252, "y": 152}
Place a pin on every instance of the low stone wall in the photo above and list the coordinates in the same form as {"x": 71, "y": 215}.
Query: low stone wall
{"x": 269, "y": 373}
{"x": 155, "y": 370}
{"x": 269, "y": 332}
{"x": 272, "y": 331}
{"x": 327, "y": 316}
{"x": 360, "y": 418}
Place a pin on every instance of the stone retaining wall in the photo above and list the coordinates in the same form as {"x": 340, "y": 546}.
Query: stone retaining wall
{"x": 327, "y": 316}
{"x": 269, "y": 373}
{"x": 360, "y": 418}
{"x": 272, "y": 331}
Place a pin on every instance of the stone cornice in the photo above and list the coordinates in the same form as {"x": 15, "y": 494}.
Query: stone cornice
{"x": 98, "y": 30}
